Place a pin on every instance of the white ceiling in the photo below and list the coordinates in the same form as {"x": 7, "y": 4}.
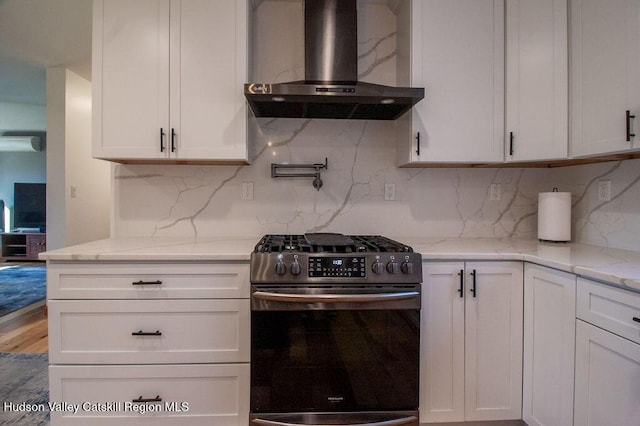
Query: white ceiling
{"x": 37, "y": 34}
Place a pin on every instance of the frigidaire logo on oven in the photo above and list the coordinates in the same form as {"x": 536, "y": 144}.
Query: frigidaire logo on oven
{"x": 335, "y": 399}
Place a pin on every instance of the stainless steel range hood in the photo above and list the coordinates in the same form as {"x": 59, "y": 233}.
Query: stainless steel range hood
{"x": 331, "y": 88}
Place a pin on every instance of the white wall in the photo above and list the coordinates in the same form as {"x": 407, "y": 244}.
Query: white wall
{"x": 56, "y": 203}
{"x": 15, "y": 116}
{"x": 85, "y": 216}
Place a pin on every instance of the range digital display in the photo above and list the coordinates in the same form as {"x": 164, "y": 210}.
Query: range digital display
{"x": 341, "y": 267}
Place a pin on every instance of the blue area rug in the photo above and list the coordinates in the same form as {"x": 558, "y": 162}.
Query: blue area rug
{"x": 21, "y": 286}
{"x": 24, "y": 381}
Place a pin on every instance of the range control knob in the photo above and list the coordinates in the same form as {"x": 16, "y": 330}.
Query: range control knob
{"x": 281, "y": 268}
{"x": 393, "y": 267}
{"x": 406, "y": 267}
{"x": 296, "y": 268}
{"x": 377, "y": 267}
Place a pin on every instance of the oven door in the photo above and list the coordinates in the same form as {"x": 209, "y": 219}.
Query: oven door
{"x": 335, "y": 349}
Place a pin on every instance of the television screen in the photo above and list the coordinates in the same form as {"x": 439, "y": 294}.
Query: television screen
{"x": 30, "y": 205}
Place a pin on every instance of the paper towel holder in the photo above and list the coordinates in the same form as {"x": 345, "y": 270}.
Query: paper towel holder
{"x": 554, "y": 217}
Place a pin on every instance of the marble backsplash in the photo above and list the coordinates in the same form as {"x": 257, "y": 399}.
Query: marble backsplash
{"x": 614, "y": 223}
{"x": 204, "y": 201}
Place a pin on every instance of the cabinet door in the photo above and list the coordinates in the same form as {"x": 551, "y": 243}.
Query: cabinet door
{"x": 442, "y": 345}
{"x": 458, "y": 57}
{"x": 130, "y": 76}
{"x": 607, "y": 378}
{"x": 537, "y": 80}
{"x": 605, "y": 64}
{"x": 208, "y": 70}
{"x": 549, "y": 344}
{"x": 493, "y": 341}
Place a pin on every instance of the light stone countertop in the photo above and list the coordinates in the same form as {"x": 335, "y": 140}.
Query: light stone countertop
{"x": 614, "y": 266}
{"x": 157, "y": 249}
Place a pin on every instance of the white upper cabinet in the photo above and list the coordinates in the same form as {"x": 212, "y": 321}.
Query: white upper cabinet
{"x": 605, "y": 76}
{"x": 536, "y": 80}
{"x": 168, "y": 78}
{"x": 457, "y": 55}
{"x": 130, "y": 77}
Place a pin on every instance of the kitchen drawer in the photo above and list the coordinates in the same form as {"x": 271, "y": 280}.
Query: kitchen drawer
{"x": 610, "y": 308}
{"x": 181, "y": 331}
{"x": 128, "y": 280}
{"x": 191, "y": 395}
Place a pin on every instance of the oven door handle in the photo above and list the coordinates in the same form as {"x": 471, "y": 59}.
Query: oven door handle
{"x": 334, "y": 298}
{"x": 394, "y": 422}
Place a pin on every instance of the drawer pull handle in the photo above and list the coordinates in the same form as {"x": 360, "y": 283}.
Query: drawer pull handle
{"x": 147, "y": 333}
{"x": 156, "y": 282}
{"x": 636, "y": 319}
{"x": 473, "y": 288}
{"x": 141, "y": 399}
{"x": 630, "y": 117}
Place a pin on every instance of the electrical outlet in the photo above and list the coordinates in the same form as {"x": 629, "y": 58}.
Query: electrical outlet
{"x": 604, "y": 190}
{"x": 73, "y": 191}
{"x": 389, "y": 192}
{"x": 247, "y": 190}
{"x": 495, "y": 192}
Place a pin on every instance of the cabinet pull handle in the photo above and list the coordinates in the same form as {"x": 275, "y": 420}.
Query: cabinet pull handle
{"x": 636, "y": 319}
{"x": 473, "y": 287}
{"x": 156, "y": 282}
{"x": 629, "y": 118}
{"x": 173, "y": 139}
{"x": 510, "y": 143}
{"x": 141, "y": 399}
{"x": 147, "y": 333}
{"x": 461, "y": 288}
{"x": 161, "y": 139}
{"x": 418, "y": 144}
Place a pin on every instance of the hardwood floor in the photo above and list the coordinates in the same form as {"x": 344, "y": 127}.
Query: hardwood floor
{"x": 26, "y": 332}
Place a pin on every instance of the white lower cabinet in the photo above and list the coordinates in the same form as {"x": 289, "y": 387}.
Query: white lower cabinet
{"x": 607, "y": 378}
{"x": 607, "y": 381}
{"x": 471, "y": 348}
{"x": 143, "y": 343}
{"x": 549, "y": 337}
{"x": 213, "y": 394}
{"x": 149, "y": 331}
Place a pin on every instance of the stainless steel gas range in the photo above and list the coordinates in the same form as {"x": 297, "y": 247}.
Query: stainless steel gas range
{"x": 335, "y": 330}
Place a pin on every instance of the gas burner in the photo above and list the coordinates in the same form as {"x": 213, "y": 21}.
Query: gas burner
{"x": 329, "y": 243}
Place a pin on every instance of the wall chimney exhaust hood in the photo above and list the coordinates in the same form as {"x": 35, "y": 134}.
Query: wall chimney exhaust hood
{"x": 331, "y": 88}
{"x": 20, "y": 144}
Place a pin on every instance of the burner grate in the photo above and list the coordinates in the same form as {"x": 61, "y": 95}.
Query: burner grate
{"x": 329, "y": 243}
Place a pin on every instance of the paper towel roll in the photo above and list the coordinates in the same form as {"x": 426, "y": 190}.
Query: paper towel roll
{"x": 554, "y": 216}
